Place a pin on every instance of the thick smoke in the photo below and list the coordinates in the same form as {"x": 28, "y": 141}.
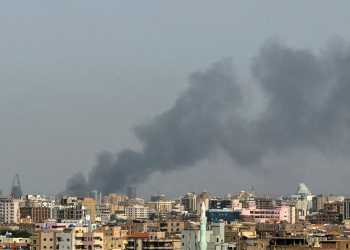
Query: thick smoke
{"x": 308, "y": 106}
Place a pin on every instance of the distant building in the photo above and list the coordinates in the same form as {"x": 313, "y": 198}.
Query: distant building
{"x": 302, "y": 190}
{"x": 222, "y": 214}
{"x": 219, "y": 204}
{"x": 16, "y": 190}
{"x": 97, "y": 196}
{"x": 318, "y": 202}
{"x": 137, "y": 212}
{"x": 346, "y": 209}
{"x": 131, "y": 192}
{"x": 191, "y": 202}
{"x": 158, "y": 198}
{"x": 281, "y": 213}
{"x": 332, "y": 211}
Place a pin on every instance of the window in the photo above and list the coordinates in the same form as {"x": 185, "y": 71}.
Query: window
{"x": 50, "y": 239}
{"x": 183, "y": 244}
{"x": 347, "y": 246}
{"x": 44, "y": 247}
{"x": 183, "y": 236}
{"x": 50, "y": 247}
{"x": 44, "y": 239}
{"x": 34, "y": 242}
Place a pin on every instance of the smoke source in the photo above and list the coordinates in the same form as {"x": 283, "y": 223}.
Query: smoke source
{"x": 308, "y": 106}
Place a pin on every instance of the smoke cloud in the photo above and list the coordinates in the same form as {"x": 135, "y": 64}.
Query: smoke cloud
{"x": 307, "y": 106}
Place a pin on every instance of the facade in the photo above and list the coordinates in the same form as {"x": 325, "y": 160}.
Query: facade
{"x": 191, "y": 202}
{"x": 318, "y": 202}
{"x": 172, "y": 226}
{"x": 160, "y": 206}
{"x": 37, "y": 214}
{"x": 281, "y": 213}
{"x": 154, "y": 241}
{"x": 90, "y": 205}
{"x": 222, "y": 214}
{"x": 65, "y": 239}
{"x": 9, "y": 210}
{"x": 346, "y": 209}
{"x": 137, "y": 212}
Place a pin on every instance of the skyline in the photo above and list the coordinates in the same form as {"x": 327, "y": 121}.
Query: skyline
{"x": 77, "y": 78}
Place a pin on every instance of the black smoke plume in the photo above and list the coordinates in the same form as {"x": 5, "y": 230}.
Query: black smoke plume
{"x": 307, "y": 106}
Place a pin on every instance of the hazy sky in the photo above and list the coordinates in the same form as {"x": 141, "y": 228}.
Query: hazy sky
{"x": 76, "y": 77}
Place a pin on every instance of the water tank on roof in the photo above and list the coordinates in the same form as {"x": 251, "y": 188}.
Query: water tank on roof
{"x": 191, "y": 227}
{"x": 71, "y": 225}
{"x": 217, "y": 221}
{"x": 7, "y": 247}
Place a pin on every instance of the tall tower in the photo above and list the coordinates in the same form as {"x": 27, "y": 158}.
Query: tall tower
{"x": 203, "y": 223}
{"x": 16, "y": 190}
{"x": 131, "y": 192}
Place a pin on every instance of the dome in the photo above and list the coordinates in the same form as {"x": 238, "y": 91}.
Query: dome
{"x": 302, "y": 190}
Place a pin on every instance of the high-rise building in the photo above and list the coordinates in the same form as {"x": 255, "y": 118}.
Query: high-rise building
{"x": 190, "y": 202}
{"x": 131, "y": 192}
{"x": 16, "y": 190}
{"x": 97, "y": 196}
{"x": 346, "y": 209}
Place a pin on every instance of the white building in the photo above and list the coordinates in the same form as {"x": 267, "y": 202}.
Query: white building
{"x": 9, "y": 209}
{"x": 137, "y": 212}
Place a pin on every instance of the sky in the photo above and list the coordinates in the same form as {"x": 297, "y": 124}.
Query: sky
{"x": 85, "y": 77}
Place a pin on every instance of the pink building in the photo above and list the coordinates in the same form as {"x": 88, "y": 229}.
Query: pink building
{"x": 281, "y": 213}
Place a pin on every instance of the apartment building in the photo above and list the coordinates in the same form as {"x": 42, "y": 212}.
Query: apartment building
{"x": 191, "y": 202}
{"x": 154, "y": 241}
{"x": 36, "y": 214}
{"x": 281, "y": 213}
{"x": 318, "y": 202}
{"x": 172, "y": 226}
{"x": 162, "y": 207}
{"x": 9, "y": 210}
{"x": 137, "y": 212}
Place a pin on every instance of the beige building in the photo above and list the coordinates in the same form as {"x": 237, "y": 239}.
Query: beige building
{"x": 172, "y": 226}
{"x": 47, "y": 240}
{"x": 137, "y": 212}
{"x": 90, "y": 205}
{"x": 162, "y": 207}
{"x": 112, "y": 231}
{"x": 113, "y": 243}
{"x": 9, "y": 210}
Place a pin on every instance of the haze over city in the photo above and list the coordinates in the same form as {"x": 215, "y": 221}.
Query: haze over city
{"x": 191, "y": 95}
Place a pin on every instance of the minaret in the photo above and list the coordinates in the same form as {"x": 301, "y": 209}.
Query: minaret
{"x": 203, "y": 222}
